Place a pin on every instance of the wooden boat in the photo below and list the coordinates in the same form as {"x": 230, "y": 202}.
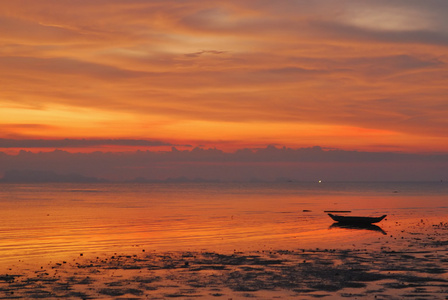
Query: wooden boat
{"x": 356, "y": 220}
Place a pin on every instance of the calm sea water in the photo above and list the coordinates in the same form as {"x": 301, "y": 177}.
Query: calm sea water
{"x": 40, "y": 222}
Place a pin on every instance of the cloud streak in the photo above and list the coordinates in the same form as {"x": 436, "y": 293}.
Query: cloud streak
{"x": 73, "y": 143}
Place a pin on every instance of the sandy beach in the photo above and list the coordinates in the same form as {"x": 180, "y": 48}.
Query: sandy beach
{"x": 412, "y": 265}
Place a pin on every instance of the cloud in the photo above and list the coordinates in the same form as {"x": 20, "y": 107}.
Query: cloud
{"x": 199, "y": 53}
{"x": 268, "y": 163}
{"x": 398, "y": 15}
{"x": 339, "y": 31}
{"x": 67, "y": 67}
{"x": 78, "y": 143}
{"x": 25, "y": 126}
{"x": 17, "y": 30}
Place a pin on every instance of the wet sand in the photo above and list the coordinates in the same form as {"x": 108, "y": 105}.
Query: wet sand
{"x": 412, "y": 265}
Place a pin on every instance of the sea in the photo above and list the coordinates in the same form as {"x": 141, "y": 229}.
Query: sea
{"x": 58, "y": 221}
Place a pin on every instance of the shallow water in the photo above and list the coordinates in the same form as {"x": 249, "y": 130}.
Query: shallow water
{"x": 41, "y": 222}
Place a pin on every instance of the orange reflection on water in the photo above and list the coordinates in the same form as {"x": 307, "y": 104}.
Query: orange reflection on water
{"x": 46, "y": 222}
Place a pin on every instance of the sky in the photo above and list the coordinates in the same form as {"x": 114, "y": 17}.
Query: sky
{"x": 133, "y": 75}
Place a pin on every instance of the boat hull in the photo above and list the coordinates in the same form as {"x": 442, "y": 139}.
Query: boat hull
{"x": 356, "y": 220}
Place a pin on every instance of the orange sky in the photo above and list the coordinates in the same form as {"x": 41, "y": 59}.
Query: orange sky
{"x": 361, "y": 75}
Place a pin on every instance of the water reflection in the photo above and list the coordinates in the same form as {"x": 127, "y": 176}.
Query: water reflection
{"x": 358, "y": 227}
{"x": 44, "y": 221}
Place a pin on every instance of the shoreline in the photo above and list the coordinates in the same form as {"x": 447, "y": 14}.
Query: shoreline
{"x": 412, "y": 268}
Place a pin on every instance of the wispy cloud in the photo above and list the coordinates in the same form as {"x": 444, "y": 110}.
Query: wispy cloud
{"x": 74, "y": 143}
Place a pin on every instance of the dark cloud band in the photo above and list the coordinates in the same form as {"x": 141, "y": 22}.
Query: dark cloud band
{"x": 68, "y": 143}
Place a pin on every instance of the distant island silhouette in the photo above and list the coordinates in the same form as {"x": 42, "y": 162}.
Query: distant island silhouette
{"x": 39, "y": 176}
{"x": 44, "y": 176}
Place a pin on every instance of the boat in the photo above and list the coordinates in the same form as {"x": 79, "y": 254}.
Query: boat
{"x": 356, "y": 220}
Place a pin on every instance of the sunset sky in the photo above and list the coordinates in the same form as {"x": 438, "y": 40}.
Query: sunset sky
{"x": 142, "y": 74}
